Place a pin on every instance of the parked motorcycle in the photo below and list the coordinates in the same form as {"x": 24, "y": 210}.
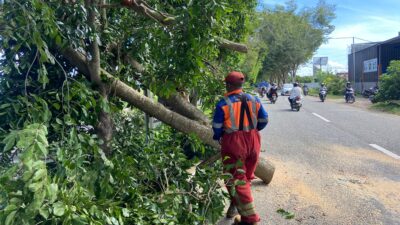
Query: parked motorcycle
{"x": 371, "y": 91}
{"x": 322, "y": 95}
{"x": 349, "y": 96}
{"x": 296, "y": 104}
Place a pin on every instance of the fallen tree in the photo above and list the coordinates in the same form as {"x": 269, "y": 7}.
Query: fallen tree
{"x": 157, "y": 110}
{"x": 59, "y": 76}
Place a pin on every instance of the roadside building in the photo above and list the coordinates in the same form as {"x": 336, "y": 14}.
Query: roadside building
{"x": 371, "y": 61}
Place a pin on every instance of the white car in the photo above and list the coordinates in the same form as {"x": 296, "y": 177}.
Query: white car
{"x": 286, "y": 89}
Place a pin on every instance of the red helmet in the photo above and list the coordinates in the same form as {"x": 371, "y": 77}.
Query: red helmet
{"x": 235, "y": 77}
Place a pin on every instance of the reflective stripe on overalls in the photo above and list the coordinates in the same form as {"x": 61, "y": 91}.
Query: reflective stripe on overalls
{"x": 232, "y": 118}
{"x": 244, "y": 209}
{"x": 233, "y": 127}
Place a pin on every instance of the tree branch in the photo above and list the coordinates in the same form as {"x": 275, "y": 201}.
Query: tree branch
{"x": 180, "y": 105}
{"x": 140, "y": 6}
{"x": 143, "y": 8}
{"x": 104, "y": 128}
{"x": 94, "y": 62}
{"x": 233, "y": 46}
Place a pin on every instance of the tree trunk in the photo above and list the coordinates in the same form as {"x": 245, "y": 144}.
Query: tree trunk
{"x": 185, "y": 108}
{"x": 104, "y": 128}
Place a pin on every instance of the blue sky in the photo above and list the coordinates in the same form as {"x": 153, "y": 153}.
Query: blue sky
{"x": 366, "y": 19}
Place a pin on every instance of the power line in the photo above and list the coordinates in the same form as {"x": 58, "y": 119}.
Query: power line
{"x": 349, "y": 38}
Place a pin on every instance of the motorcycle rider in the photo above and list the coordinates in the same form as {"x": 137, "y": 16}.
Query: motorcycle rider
{"x": 273, "y": 90}
{"x": 262, "y": 88}
{"x": 296, "y": 92}
{"x": 322, "y": 88}
{"x": 348, "y": 90}
{"x": 305, "y": 89}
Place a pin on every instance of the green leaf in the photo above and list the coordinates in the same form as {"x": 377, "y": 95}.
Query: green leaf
{"x": 52, "y": 191}
{"x": 39, "y": 174}
{"x": 58, "y": 40}
{"x": 42, "y": 78}
{"x": 10, "y": 207}
{"x": 285, "y": 214}
{"x": 10, "y": 218}
{"x": 34, "y": 187}
{"x": 228, "y": 167}
{"x": 228, "y": 9}
{"x": 9, "y": 141}
{"x": 41, "y": 147}
{"x": 240, "y": 171}
{"x": 49, "y": 55}
{"x": 58, "y": 209}
{"x": 57, "y": 106}
{"x": 15, "y": 201}
{"x": 240, "y": 182}
{"x": 5, "y": 106}
{"x": 44, "y": 212}
{"x": 125, "y": 212}
{"x": 227, "y": 176}
{"x": 239, "y": 163}
{"x": 59, "y": 121}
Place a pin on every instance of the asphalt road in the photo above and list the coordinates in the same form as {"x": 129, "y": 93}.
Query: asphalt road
{"x": 327, "y": 171}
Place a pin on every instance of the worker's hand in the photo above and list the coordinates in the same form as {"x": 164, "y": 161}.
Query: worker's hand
{"x": 220, "y": 141}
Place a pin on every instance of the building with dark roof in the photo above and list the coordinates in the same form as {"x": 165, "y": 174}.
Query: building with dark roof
{"x": 371, "y": 61}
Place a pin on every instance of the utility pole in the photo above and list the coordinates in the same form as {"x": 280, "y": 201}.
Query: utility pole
{"x": 354, "y": 64}
{"x": 354, "y": 54}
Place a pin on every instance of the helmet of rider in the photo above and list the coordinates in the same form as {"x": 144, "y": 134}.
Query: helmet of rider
{"x": 348, "y": 83}
{"x": 295, "y": 84}
{"x": 322, "y": 84}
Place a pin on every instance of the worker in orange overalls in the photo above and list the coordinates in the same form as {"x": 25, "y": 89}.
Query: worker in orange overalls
{"x": 238, "y": 118}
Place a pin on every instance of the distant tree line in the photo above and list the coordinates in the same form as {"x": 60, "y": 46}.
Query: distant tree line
{"x": 286, "y": 37}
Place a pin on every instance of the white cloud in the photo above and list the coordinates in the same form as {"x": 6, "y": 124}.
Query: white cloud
{"x": 372, "y": 28}
{"x": 336, "y": 66}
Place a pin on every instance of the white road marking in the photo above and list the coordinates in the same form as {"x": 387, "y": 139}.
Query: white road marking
{"x": 321, "y": 117}
{"x": 387, "y": 152}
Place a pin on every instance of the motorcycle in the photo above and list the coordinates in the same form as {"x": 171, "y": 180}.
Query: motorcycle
{"x": 305, "y": 90}
{"x": 296, "y": 104}
{"x": 262, "y": 92}
{"x": 322, "y": 95}
{"x": 349, "y": 96}
{"x": 371, "y": 91}
{"x": 273, "y": 95}
{"x": 273, "y": 98}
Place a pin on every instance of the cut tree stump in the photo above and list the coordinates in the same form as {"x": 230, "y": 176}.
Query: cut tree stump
{"x": 265, "y": 170}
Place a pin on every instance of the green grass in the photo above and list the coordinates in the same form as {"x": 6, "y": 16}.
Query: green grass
{"x": 331, "y": 96}
{"x": 315, "y": 93}
{"x": 389, "y": 107}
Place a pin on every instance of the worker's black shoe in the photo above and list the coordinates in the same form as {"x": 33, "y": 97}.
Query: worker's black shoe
{"x": 232, "y": 211}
